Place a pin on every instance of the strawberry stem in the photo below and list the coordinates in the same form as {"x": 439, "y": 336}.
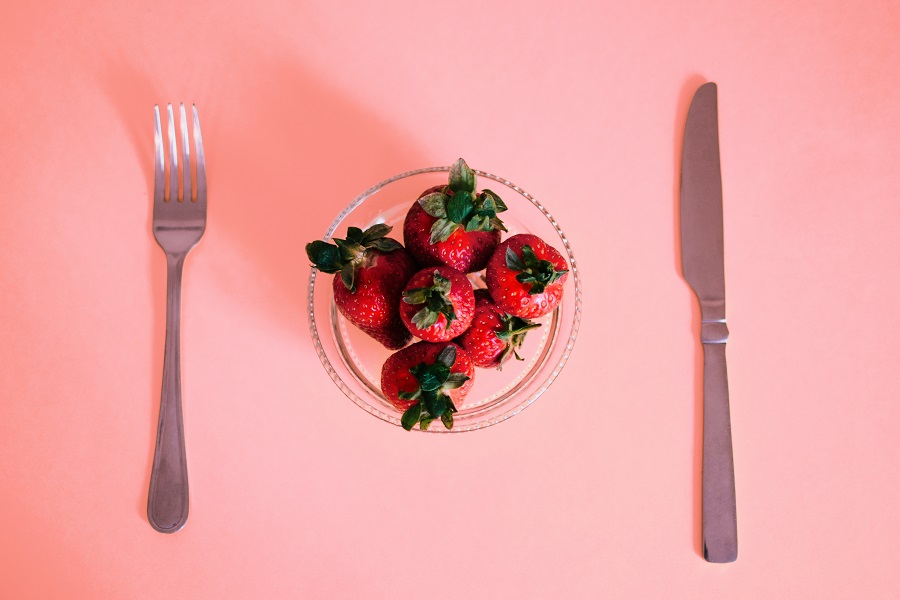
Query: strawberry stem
{"x": 513, "y": 333}
{"x": 457, "y": 205}
{"x": 434, "y": 402}
{"x": 436, "y": 300}
{"x": 346, "y": 256}
{"x": 539, "y": 273}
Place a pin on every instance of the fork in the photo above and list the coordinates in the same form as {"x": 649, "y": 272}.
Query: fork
{"x": 178, "y": 224}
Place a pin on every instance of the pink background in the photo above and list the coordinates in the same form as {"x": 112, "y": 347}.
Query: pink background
{"x": 591, "y": 492}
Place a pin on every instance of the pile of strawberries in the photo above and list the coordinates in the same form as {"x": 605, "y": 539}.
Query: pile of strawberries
{"x": 394, "y": 291}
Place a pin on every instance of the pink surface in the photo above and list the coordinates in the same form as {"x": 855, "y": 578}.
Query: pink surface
{"x": 594, "y": 490}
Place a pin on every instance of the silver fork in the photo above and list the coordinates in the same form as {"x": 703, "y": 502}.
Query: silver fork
{"x": 178, "y": 224}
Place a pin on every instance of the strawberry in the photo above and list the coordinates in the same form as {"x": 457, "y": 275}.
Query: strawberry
{"x": 427, "y": 381}
{"x": 453, "y": 225}
{"x": 494, "y": 336}
{"x": 525, "y": 276}
{"x": 438, "y": 304}
{"x": 373, "y": 270}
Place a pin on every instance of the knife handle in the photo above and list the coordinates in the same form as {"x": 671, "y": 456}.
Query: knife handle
{"x": 719, "y": 513}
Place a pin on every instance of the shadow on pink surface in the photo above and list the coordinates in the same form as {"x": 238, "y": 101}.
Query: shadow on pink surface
{"x": 684, "y": 102}
{"x": 285, "y": 153}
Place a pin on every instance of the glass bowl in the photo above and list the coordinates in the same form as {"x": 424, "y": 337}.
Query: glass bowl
{"x": 354, "y": 360}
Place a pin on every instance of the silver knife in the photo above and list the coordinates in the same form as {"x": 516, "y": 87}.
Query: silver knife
{"x": 702, "y": 258}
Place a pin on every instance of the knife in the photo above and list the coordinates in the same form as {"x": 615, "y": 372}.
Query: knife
{"x": 703, "y": 263}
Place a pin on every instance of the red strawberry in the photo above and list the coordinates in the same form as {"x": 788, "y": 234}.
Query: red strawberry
{"x": 494, "y": 336}
{"x": 483, "y": 298}
{"x": 373, "y": 270}
{"x": 438, "y": 304}
{"x": 452, "y": 225}
{"x": 525, "y": 276}
{"x": 427, "y": 381}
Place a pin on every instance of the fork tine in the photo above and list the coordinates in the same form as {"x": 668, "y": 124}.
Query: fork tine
{"x": 186, "y": 156}
{"x": 173, "y": 156}
{"x": 201, "y": 160}
{"x": 159, "y": 178}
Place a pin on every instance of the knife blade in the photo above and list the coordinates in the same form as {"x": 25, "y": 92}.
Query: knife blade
{"x": 703, "y": 264}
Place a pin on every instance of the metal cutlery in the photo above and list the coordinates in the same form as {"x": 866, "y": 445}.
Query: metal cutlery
{"x": 179, "y": 220}
{"x": 703, "y": 263}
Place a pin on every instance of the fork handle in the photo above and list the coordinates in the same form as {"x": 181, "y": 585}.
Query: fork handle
{"x": 167, "y": 504}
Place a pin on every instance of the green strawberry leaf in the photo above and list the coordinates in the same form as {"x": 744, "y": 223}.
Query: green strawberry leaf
{"x": 498, "y": 224}
{"x": 376, "y": 231}
{"x": 416, "y": 295}
{"x": 441, "y": 283}
{"x": 525, "y": 277}
{"x": 436, "y": 404}
{"x": 435, "y": 204}
{"x": 479, "y": 223}
{"x": 324, "y": 256}
{"x": 455, "y": 380}
{"x": 385, "y": 244}
{"x": 462, "y": 178}
{"x": 411, "y": 416}
{"x": 425, "y": 421}
{"x": 447, "y": 311}
{"x": 348, "y": 276}
{"x": 537, "y": 286}
{"x": 425, "y": 318}
{"x": 514, "y": 326}
{"x": 349, "y": 250}
{"x": 513, "y": 261}
{"x": 442, "y": 229}
{"x": 354, "y": 235}
{"x": 499, "y": 205}
{"x": 447, "y": 419}
{"x": 447, "y": 356}
{"x": 460, "y": 206}
{"x": 528, "y": 255}
{"x": 431, "y": 377}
